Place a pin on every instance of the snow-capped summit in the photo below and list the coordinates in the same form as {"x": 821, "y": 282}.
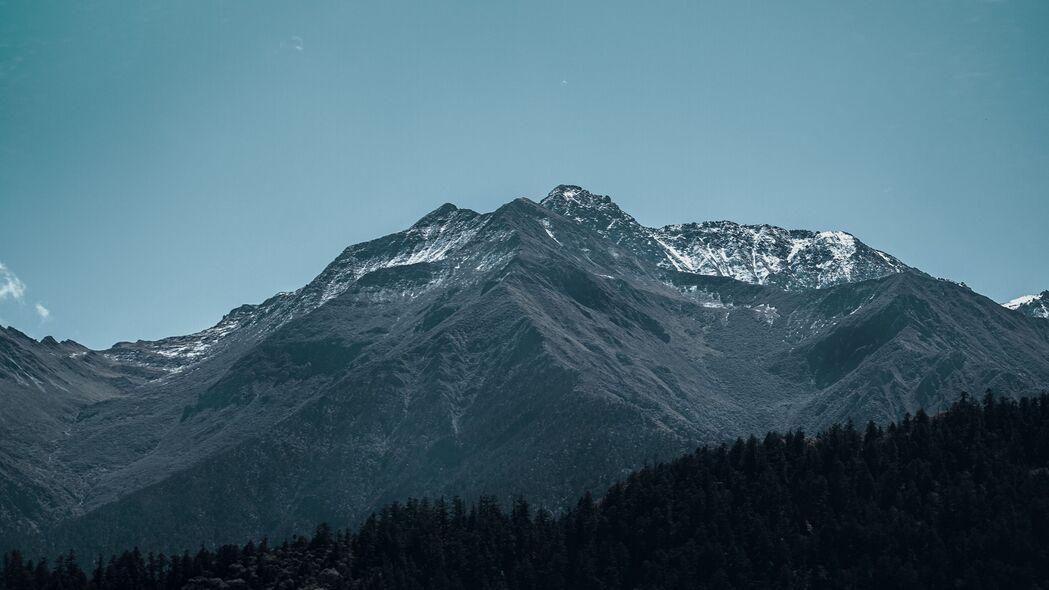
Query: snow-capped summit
{"x": 577, "y": 203}
{"x": 431, "y": 239}
{"x": 601, "y": 215}
{"x": 764, "y": 254}
{"x": 759, "y": 254}
{"x": 1036, "y": 306}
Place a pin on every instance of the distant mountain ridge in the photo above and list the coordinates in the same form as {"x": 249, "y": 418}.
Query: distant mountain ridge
{"x": 539, "y": 349}
{"x": 428, "y": 240}
{"x": 1036, "y": 306}
{"x": 758, "y": 254}
{"x": 792, "y": 259}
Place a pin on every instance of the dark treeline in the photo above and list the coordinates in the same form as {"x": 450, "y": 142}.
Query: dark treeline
{"x": 960, "y": 500}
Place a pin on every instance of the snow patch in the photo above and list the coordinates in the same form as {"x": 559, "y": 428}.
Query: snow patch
{"x": 767, "y": 312}
{"x": 547, "y": 227}
{"x": 1021, "y": 301}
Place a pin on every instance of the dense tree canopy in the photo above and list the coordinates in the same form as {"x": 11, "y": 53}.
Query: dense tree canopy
{"x": 958, "y": 500}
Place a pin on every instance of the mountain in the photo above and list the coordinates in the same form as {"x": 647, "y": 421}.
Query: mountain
{"x": 540, "y": 349}
{"x": 43, "y": 386}
{"x": 759, "y": 254}
{"x": 1035, "y": 306}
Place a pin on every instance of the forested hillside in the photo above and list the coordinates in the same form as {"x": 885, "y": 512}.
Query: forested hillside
{"x": 956, "y": 500}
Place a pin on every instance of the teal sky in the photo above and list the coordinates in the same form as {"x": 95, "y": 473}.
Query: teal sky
{"x": 162, "y": 162}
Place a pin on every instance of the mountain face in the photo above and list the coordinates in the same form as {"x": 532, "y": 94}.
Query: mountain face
{"x": 760, "y": 254}
{"x": 541, "y": 349}
{"x": 43, "y": 385}
{"x": 695, "y": 522}
{"x": 1035, "y": 306}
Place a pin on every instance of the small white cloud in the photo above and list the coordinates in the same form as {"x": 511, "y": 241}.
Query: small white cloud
{"x": 294, "y": 43}
{"x": 42, "y": 311}
{"x": 10, "y": 285}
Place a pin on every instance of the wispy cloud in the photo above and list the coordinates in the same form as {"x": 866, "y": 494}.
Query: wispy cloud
{"x": 294, "y": 43}
{"x": 11, "y": 287}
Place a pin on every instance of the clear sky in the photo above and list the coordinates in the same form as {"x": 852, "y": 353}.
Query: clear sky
{"x": 162, "y": 162}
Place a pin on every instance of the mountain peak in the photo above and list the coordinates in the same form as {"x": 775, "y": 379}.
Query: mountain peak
{"x": 761, "y": 254}
{"x": 574, "y": 196}
{"x": 438, "y": 215}
{"x": 569, "y": 191}
{"x": 576, "y": 203}
{"x": 1032, "y": 305}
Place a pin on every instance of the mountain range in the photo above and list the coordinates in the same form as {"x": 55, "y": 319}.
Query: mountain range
{"x": 541, "y": 349}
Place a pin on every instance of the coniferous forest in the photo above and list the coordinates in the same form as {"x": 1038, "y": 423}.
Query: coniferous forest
{"x": 959, "y": 500}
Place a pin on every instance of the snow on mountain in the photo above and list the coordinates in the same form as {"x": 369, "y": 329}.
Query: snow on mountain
{"x": 1036, "y": 306}
{"x": 757, "y": 254}
{"x": 432, "y": 239}
{"x": 1020, "y": 301}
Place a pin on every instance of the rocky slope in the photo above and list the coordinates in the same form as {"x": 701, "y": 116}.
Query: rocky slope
{"x": 43, "y": 387}
{"x": 540, "y": 349}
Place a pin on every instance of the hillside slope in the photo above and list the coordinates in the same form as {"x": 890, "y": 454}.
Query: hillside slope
{"x": 956, "y": 500}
